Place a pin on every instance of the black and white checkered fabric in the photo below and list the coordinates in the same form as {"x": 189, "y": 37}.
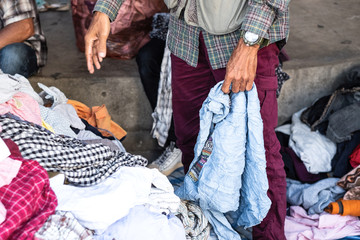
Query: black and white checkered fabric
{"x": 162, "y": 114}
{"x": 82, "y": 164}
{"x": 282, "y": 77}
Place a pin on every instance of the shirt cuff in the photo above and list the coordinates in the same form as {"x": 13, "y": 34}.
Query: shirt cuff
{"x": 110, "y": 8}
{"x": 258, "y": 19}
{"x": 19, "y": 18}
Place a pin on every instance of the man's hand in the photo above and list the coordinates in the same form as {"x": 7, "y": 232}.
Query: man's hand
{"x": 95, "y": 40}
{"x": 241, "y": 68}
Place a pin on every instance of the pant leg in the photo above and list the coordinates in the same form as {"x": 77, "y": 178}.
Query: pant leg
{"x": 272, "y": 227}
{"x": 18, "y": 58}
{"x": 190, "y": 88}
{"x": 149, "y": 60}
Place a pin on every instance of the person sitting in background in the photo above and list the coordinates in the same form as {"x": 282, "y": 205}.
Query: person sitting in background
{"x": 23, "y": 47}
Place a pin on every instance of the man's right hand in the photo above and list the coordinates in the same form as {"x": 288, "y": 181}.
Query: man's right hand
{"x": 95, "y": 40}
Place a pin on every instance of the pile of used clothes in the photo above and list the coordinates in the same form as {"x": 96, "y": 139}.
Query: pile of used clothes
{"x": 96, "y": 189}
{"x": 320, "y": 148}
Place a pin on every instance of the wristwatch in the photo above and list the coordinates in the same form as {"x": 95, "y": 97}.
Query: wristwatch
{"x": 251, "y": 39}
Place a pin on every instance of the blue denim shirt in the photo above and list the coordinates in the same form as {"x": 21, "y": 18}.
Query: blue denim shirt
{"x": 233, "y": 178}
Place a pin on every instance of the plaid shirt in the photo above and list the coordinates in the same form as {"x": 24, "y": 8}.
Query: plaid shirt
{"x": 269, "y": 19}
{"x": 29, "y": 201}
{"x": 109, "y": 7}
{"x": 14, "y": 11}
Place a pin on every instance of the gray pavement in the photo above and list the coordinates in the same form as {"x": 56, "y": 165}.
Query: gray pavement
{"x": 324, "y": 43}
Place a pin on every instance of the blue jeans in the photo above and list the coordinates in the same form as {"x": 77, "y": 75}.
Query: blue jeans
{"x": 18, "y": 58}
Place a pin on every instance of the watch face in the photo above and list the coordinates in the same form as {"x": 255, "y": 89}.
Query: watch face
{"x": 251, "y": 37}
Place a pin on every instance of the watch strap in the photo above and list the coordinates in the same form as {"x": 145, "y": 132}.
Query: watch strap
{"x": 260, "y": 41}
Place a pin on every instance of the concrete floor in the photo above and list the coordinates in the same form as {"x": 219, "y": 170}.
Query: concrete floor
{"x": 324, "y": 44}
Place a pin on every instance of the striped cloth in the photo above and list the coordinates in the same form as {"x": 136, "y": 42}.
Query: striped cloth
{"x": 196, "y": 225}
{"x": 163, "y": 112}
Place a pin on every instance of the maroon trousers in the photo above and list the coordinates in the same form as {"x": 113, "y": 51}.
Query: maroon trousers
{"x": 190, "y": 87}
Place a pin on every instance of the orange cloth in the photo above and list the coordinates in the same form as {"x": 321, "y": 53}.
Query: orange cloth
{"x": 99, "y": 117}
{"x": 344, "y": 207}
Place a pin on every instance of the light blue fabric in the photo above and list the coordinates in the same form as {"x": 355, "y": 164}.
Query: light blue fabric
{"x": 313, "y": 197}
{"x": 57, "y": 121}
{"x": 233, "y": 179}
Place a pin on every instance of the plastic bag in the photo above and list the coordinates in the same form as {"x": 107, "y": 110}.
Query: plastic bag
{"x": 128, "y": 33}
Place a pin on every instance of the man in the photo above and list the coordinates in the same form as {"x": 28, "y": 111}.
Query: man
{"x": 235, "y": 41}
{"x": 22, "y": 44}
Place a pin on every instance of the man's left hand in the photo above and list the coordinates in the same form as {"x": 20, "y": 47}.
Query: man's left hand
{"x": 241, "y": 68}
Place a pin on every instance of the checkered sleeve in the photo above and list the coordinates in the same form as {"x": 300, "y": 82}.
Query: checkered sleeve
{"x": 82, "y": 164}
{"x": 261, "y": 15}
{"x": 109, "y": 7}
{"x": 15, "y": 11}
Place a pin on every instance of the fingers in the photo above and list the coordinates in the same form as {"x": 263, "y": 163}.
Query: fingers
{"x": 96, "y": 60}
{"x": 240, "y": 76}
{"x": 226, "y": 85}
{"x": 89, "y": 55}
{"x": 249, "y": 85}
{"x": 101, "y": 48}
{"x": 236, "y": 84}
{"x": 93, "y": 57}
{"x": 95, "y": 40}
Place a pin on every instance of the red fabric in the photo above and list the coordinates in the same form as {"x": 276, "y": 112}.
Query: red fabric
{"x": 354, "y": 158}
{"x": 28, "y": 199}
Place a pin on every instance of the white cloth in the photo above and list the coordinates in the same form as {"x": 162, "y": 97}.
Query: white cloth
{"x": 52, "y": 95}
{"x": 9, "y": 168}
{"x": 68, "y": 111}
{"x": 2, "y": 213}
{"x": 165, "y": 201}
{"x": 314, "y": 149}
{"x": 4, "y": 150}
{"x": 97, "y": 207}
{"x": 286, "y": 129}
{"x": 11, "y": 84}
{"x": 57, "y": 121}
{"x": 143, "y": 224}
{"x": 63, "y": 226}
